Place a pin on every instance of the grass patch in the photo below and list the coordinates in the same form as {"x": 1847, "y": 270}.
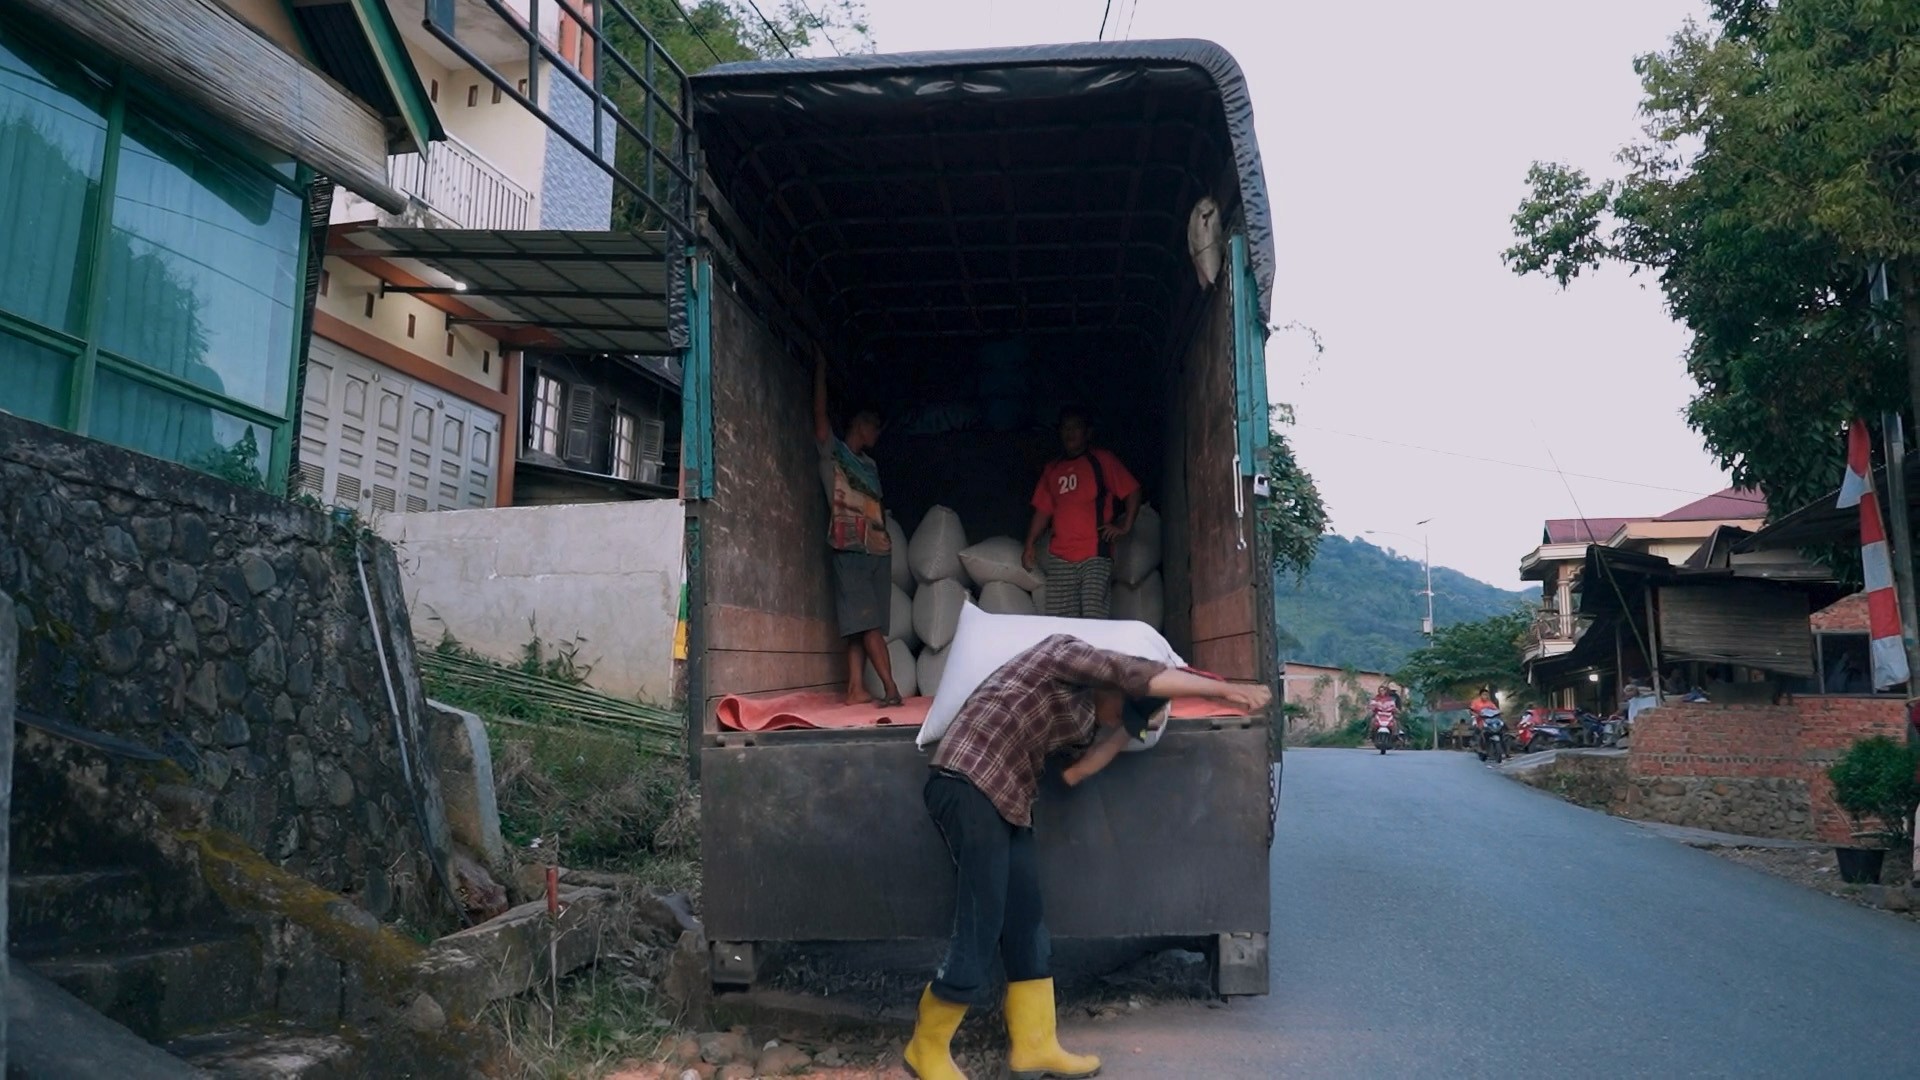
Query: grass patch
{"x": 605, "y": 1016}
{"x": 593, "y": 801}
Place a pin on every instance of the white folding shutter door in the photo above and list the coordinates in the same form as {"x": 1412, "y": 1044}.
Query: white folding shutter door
{"x": 377, "y": 441}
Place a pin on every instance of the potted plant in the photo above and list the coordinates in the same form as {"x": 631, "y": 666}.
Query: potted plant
{"x": 1875, "y": 779}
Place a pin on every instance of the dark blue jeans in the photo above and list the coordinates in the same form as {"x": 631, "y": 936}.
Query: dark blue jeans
{"x": 996, "y": 896}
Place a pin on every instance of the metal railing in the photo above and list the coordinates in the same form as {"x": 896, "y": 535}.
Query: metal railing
{"x": 457, "y": 183}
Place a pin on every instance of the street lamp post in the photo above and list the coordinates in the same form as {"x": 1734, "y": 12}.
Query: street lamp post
{"x": 1426, "y": 565}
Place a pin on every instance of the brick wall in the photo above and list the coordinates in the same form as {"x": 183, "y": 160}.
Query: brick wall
{"x": 1848, "y": 613}
{"x": 1752, "y": 769}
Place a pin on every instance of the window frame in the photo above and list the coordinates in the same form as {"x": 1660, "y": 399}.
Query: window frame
{"x": 127, "y": 88}
{"x": 626, "y": 445}
{"x": 544, "y": 414}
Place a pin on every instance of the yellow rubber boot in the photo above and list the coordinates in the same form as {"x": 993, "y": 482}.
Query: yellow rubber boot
{"x": 930, "y": 1053}
{"x": 1036, "y": 1053}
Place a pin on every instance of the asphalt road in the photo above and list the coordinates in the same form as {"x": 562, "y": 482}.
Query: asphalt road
{"x": 1432, "y": 918}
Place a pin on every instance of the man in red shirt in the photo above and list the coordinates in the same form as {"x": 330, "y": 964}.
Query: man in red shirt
{"x": 1062, "y": 694}
{"x": 1090, "y": 499}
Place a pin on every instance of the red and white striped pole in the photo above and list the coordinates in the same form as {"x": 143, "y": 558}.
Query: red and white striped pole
{"x": 1883, "y": 605}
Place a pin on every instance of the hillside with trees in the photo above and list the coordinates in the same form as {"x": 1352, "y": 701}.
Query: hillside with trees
{"x": 1360, "y": 606}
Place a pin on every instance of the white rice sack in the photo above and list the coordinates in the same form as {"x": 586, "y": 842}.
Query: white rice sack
{"x": 1145, "y": 602}
{"x": 1137, "y": 554}
{"x": 998, "y": 559}
{"x": 936, "y": 611}
{"x": 982, "y": 642}
{"x": 934, "y": 552}
{"x": 1004, "y": 598}
{"x": 902, "y": 573}
{"x": 904, "y": 675}
{"x": 928, "y": 669}
{"x": 900, "y": 619}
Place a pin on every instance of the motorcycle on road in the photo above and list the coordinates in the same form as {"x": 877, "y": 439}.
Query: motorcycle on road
{"x": 1493, "y": 737}
{"x": 1383, "y": 738}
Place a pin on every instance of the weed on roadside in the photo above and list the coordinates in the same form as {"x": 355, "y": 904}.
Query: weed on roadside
{"x": 591, "y": 801}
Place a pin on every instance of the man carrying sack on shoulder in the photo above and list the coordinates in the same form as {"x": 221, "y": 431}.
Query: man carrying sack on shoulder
{"x": 1060, "y": 694}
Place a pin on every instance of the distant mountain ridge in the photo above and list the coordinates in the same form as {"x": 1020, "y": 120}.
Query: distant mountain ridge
{"x": 1360, "y": 606}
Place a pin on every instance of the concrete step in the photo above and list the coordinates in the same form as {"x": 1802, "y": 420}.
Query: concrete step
{"x": 49, "y": 913}
{"x": 164, "y": 987}
{"x": 51, "y": 1035}
{"x": 262, "y": 1051}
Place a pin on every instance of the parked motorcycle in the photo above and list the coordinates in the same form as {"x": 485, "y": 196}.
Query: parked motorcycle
{"x": 1543, "y": 730}
{"x": 1493, "y": 737}
{"x": 1597, "y": 730}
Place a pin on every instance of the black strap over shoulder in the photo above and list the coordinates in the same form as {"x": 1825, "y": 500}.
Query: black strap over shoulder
{"x": 1102, "y": 508}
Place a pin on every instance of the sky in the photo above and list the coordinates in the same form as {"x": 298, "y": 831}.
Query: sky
{"x": 1396, "y": 137}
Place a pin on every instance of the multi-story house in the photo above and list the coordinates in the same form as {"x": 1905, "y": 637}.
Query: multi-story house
{"x": 1674, "y": 536}
{"x": 161, "y": 211}
{"x": 428, "y": 389}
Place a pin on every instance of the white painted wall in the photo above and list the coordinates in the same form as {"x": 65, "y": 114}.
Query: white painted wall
{"x": 476, "y": 355}
{"x": 606, "y": 573}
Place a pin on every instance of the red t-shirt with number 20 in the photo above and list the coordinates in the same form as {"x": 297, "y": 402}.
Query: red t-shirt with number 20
{"x": 1067, "y": 491}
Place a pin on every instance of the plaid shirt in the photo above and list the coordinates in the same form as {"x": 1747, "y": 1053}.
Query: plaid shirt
{"x": 1036, "y": 703}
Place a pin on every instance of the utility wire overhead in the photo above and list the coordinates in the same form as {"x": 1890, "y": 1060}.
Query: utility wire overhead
{"x": 1103, "y": 20}
{"x": 820, "y": 24}
{"x": 772, "y": 29}
{"x": 697, "y": 32}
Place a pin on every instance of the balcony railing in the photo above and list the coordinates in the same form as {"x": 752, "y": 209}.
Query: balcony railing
{"x": 459, "y": 185}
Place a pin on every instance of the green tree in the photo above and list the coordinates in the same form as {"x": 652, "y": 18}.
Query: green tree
{"x": 1468, "y": 655}
{"x": 699, "y": 35}
{"x": 1779, "y": 169}
{"x": 1293, "y": 516}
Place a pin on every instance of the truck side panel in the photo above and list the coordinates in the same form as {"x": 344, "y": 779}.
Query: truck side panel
{"x": 1218, "y": 544}
{"x": 826, "y": 840}
{"x": 765, "y": 601}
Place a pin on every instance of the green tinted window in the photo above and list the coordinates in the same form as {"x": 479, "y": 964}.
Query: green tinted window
{"x": 35, "y": 383}
{"x": 53, "y": 134}
{"x": 150, "y": 274}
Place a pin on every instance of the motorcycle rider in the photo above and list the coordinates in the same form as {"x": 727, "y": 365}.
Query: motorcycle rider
{"x": 1383, "y": 712}
{"x": 1482, "y": 701}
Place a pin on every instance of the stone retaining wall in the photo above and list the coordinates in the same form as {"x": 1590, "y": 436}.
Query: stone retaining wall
{"x": 1759, "y": 770}
{"x": 228, "y": 629}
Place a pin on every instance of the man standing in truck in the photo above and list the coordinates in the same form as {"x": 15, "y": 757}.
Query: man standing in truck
{"x": 857, "y": 535}
{"x": 1090, "y": 499}
{"x": 1057, "y": 695}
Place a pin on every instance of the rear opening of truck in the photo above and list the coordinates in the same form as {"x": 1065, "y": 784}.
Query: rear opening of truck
{"x": 1099, "y": 212}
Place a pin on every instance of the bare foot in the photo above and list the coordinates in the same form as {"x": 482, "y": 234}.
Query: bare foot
{"x": 859, "y": 697}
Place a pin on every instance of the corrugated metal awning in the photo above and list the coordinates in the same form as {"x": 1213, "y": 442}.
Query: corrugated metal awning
{"x": 600, "y": 292}
{"x": 1733, "y": 622}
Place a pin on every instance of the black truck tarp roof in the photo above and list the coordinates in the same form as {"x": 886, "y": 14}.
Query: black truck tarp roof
{"x": 1019, "y": 191}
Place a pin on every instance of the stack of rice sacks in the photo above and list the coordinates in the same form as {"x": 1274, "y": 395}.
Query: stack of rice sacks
{"x": 1138, "y": 591}
{"x": 941, "y": 589}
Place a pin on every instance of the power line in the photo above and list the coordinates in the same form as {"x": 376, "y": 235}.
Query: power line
{"x": 1563, "y": 474}
{"x": 771, "y": 29}
{"x": 697, "y": 32}
{"x": 1131, "y": 12}
{"x": 1103, "y": 20}
{"x": 820, "y": 24}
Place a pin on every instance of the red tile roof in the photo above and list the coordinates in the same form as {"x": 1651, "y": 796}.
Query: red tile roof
{"x": 1732, "y": 503}
{"x": 1584, "y": 530}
